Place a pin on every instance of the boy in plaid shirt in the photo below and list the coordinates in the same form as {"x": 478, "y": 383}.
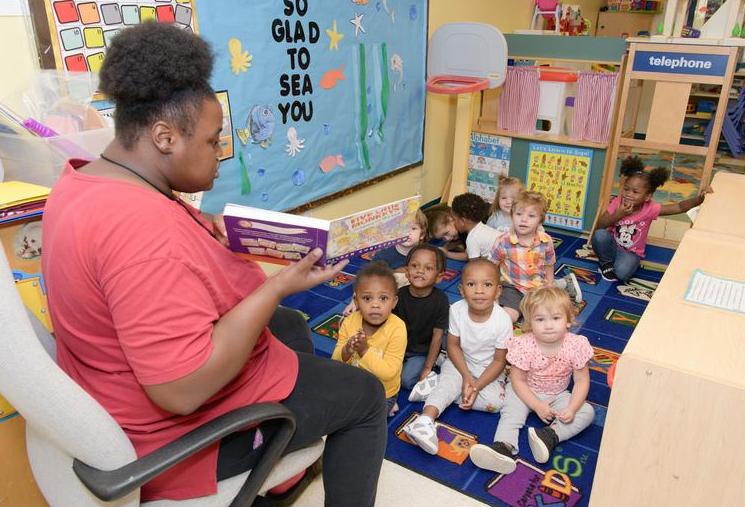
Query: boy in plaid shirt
{"x": 526, "y": 255}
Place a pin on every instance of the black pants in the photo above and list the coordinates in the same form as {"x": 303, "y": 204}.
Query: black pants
{"x": 330, "y": 398}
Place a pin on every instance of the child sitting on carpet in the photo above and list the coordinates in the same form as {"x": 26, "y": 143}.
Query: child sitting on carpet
{"x": 371, "y": 338}
{"x": 395, "y": 256}
{"x": 424, "y": 308}
{"x": 442, "y": 232}
{"x": 621, "y": 235}
{"x": 543, "y": 361}
{"x": 473, "y": 374}
{"x": 500, "y": 212}
{"x": 470, "y": 211}
{"x": 526, "y": 255}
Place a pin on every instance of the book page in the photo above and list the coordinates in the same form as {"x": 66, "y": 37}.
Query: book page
{"x": 368, "y": 230}
{"x": 716, "y": 292}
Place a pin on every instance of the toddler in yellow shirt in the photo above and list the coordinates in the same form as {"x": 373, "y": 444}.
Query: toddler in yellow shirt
{"x": 372, "y": 338}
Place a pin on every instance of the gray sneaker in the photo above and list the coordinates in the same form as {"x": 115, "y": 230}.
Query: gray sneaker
{"x": 572, "y": 287}
{"x": 542, "y": 441}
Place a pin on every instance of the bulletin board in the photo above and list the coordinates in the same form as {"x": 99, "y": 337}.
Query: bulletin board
{"x": 319, "y": 95}
{"x": 562, "y": 175}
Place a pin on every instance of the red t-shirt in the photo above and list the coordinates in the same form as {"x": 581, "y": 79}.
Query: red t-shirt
{"x": 135, "y": 286}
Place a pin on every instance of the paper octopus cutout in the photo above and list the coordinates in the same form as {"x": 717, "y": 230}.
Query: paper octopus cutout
{"x": 294, "y": 144}
{"x": 240, "y": 60}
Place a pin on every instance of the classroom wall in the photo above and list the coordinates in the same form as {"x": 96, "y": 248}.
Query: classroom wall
{"x": 17, "y": 53}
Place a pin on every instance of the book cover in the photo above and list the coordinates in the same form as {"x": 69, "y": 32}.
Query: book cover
{"x": 272, "y": 236}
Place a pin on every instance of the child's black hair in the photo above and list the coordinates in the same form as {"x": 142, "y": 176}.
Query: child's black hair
{"x": 633, "y": 166}
{"x": 439, "y": 256}
{"x": 156, "y": 71}
{"x": 376, "y": 269}
{"x": 481, "y": 261}
{"x": 471, "y": 207}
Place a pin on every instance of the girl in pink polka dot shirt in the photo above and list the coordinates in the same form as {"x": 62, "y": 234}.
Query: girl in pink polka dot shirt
{"x": 543, "y": 360}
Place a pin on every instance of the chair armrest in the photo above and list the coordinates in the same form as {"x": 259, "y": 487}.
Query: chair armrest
{"x": 110, "y": 485}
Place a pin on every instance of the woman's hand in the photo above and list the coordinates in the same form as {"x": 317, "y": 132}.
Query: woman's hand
{"x": 219, "y": 230}
{"x": 304, "y": 275}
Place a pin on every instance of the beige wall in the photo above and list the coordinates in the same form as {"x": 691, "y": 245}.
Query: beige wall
{"x": 17, "y": 60}
{"x": 17, "y": 55}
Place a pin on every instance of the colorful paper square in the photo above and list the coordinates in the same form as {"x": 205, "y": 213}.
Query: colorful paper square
{"x": 602, "y": 359}
{"x": 66, "y": 11}
{"x": 585, "y": 275}
{"x": 89, "y": 13}
{"x": 72, "y": 38}
{"x": 95, "y": 61}
{"x": 76, "y": 63}
{"x": 454, "y": 444}
{"x": 111, "y": 14}
{"x": 130, "y": 14}
{"x": 340, "y": 280}
{"x": 147, "y": 14}
{"x": 183, "y": 15}
{"x": 165, "y": 14}
{"x": 109, "y": 34}
{"x": 93, "y": 37}
{"x": 622, "y": 318}
{"x": 329, "y": 327}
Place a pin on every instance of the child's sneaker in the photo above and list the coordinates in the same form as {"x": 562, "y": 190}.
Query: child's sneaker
{"x": 542, "y": 441}
{"x": 393, "y": 410}
{"x": 423, "y": 432}
{"x": 496, "y": 457}
{"x": 572, "y": 287}
{"x": 423, "y": 388}
{"x": 606, "y": 271}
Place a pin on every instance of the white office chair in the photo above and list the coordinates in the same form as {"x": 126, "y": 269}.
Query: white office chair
{"x": 81, "y": 457}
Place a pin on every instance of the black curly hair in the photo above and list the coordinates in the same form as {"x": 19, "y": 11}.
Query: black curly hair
{"x": 471, "y": 207}
{"x": 439, "y": 256}
{"x": 156, "y": 72}
{"x": 633, "y": 167}
{"x": 376, "y": 269}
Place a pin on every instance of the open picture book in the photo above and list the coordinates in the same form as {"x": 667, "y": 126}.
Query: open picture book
{"x": 272, "y": 236}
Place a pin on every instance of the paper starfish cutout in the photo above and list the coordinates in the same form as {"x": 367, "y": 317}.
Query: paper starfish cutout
{"x": 357, "y": 22}
{"x": 334, "y": 37}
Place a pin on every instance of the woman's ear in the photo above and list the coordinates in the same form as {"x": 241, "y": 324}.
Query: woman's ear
{"x": 163, "y": 136}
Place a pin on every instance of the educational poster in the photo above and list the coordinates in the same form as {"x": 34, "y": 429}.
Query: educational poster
{"x": 488, "y": 159}
{"x": 82, "y": 30}
{"x": 324, "y": 95}
{"x": 561, "y": 174}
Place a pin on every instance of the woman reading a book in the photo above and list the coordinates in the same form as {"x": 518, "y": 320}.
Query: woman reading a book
{"x": 162, "y": 324}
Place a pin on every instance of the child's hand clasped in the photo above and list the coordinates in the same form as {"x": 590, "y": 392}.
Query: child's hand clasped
{"x": 546, "y": 413}
{"x": 357, "y": 343}
{"x": 468, "y": 394}
{"x": 566, "y": 416}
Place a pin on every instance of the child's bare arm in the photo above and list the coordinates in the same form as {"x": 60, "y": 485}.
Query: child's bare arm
{"x": 578, "y": 397}
{"x": 432, "y": 353}
{"x": 684, "y": 205}
{"x": 493, "y": 370}
{"x": 455, "y": 354}
{"x": 519, "y": 379}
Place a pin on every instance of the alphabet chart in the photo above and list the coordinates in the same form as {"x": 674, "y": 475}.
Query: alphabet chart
{"x": 561, "y": 174}
{"x": 82, "y": 30}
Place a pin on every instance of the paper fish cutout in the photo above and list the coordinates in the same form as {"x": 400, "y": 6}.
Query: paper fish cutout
{"x": 329, "y": 79}
{"x": 259, "y": 126}
{"x": 331, "y": 162}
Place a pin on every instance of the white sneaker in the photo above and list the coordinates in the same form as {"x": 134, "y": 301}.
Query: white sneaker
{"x": 496, "y": 457}
{"x": 423, "y": 432}
{"x": 423, "y": 388}
{"x": 441, "y": 358}
{"x": 573, "y": 288}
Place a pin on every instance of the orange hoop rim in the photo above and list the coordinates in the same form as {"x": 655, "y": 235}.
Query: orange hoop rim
{"x": 450, "y": 84}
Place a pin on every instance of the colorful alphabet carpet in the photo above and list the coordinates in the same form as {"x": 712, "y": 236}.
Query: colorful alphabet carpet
{"x": 607, "y": 317}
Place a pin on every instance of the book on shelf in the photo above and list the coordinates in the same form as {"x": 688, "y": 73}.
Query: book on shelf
{"x": 272, "y": 236}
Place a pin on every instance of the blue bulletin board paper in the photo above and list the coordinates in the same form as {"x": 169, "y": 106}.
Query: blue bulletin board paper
{"x": 324, "y": 95}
